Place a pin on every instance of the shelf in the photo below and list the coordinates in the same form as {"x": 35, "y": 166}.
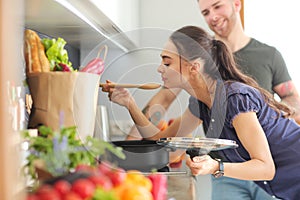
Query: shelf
{"x": 79, "y": 22}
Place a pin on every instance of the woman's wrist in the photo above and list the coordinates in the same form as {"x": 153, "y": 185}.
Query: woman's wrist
{"x": 131, "y": 104}
{"x": 219, "y": 170}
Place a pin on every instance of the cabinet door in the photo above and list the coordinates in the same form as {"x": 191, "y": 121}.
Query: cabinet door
{"x": 11, "y": 71}
{"x": 242, "y": 13}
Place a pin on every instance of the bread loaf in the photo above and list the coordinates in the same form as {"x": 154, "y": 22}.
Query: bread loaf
{"x": 35, "y": 57}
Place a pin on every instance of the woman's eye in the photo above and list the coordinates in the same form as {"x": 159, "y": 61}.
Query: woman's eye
{"x": 166, "y": 64}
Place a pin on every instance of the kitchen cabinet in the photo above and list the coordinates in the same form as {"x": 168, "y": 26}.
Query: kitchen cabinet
{"x": 81, "y": 23}
{"x": 125, "y": 14}
{"x": 11, "y": 69}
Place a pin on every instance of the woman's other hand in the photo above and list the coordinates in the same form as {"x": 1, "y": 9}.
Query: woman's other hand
{"x": 202, "y": 165}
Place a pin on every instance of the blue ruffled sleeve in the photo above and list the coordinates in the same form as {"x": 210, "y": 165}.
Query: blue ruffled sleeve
{"x": 242, "y": 101}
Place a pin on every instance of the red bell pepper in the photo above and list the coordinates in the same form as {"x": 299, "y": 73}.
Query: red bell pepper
{"x": 159, "y": 186}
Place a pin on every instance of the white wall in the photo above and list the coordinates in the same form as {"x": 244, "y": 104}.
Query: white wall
{"x": 156, "y": 20}
{"x": 125, "y": 14}
{"x": 170, "y": 14}
{"x": 276, "y": 22}
{"x": 268, "y": 21}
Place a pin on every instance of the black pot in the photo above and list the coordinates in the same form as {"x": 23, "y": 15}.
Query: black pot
{"x": 142, "y": 155}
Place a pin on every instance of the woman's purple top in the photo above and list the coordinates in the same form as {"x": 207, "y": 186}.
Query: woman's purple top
{"x": 283, "y": 134}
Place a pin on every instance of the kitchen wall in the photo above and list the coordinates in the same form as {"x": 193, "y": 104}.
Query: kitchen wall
{"x": 172, "y": 14}
{"x": 276, "y": 23}
{"x": 140, "y": 65}
{"x": 149, "y": 33}
{"x": 124, "y": 13}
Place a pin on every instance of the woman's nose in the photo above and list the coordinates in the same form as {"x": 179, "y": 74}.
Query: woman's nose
{"x": 160, "y": 69}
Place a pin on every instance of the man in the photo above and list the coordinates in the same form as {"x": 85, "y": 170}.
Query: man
{"x": 264, "y": 63}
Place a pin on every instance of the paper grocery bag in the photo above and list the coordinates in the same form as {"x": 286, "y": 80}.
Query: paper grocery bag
{"x": 64, "y": 99}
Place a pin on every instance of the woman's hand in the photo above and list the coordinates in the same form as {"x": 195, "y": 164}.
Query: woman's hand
{"x": 202, "y": 165}
{"x": 120, "y": 96}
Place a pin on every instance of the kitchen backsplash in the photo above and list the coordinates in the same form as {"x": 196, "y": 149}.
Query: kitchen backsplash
{"x": 119, "y": 129}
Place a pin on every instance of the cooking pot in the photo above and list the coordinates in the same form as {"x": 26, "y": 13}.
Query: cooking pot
{"x": 146, "y": 155}
{"x": 142, "y": 155}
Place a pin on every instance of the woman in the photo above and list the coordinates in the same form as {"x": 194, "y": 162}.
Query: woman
{"x": 231, "y": 106}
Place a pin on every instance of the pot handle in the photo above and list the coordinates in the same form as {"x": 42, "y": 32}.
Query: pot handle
{"x": 193, "y": 152}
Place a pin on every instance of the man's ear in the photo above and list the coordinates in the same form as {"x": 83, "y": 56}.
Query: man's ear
{"x": 237, "y": 5}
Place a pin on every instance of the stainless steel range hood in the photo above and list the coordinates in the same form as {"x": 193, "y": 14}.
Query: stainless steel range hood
{"x": 80, "y": 22}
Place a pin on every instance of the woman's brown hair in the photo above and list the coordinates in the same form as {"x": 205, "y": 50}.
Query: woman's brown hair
{"x": 193, "y": 42}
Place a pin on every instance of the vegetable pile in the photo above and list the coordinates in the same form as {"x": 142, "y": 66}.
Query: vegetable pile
{"x": 76, "y": 174}
{"x": 61, "y": 152}
{"x": 103, "y": 182}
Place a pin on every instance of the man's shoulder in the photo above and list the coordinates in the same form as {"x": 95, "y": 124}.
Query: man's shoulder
{"x": 254, "y": 43}
{"x": 256, "y": 49}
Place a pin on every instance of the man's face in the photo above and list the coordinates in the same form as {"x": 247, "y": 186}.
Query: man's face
{"x": 220, "y": 15}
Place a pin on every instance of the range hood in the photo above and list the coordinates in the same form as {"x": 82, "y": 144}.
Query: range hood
{"x": 80, "y": 22}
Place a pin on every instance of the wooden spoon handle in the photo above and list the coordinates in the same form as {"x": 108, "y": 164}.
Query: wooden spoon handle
{"x": 146, "y": 86}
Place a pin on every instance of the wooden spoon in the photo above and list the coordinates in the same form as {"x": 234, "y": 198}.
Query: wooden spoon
{"x": 146, "y": 86}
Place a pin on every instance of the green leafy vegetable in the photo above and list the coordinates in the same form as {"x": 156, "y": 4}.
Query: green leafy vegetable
{"x": 56, "y": 53}
{"x": 61, "y": 152}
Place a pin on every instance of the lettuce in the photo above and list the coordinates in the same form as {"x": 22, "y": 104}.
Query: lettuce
{"x": 56, "y": 53}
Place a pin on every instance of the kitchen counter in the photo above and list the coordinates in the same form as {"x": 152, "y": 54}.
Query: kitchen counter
{"x": 181, "y": 187}
{"x": 181, "y": 184}
{"x": 184, "y": 186}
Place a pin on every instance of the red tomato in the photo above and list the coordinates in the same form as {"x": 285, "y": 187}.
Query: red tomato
{"x": 62, "y": 187}
{"x": 83, "y": 187}
{"x": 47, "y": 192}
{"x": 71, "y": 196}
{"x": 117, "y": 176}
{"x": 104, "y": 168}
{"x": 101, "y": 181}
{"x": 84, "y": 168}
{"x": 32, "y": 197}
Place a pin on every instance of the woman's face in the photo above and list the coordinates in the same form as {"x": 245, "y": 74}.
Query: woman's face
{"x": 171, "y": 74}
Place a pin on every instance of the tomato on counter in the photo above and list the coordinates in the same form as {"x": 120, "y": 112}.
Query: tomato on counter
{"x": 103, "y": 182}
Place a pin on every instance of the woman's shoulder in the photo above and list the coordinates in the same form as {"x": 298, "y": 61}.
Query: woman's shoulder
{"x": 240, "y": 88}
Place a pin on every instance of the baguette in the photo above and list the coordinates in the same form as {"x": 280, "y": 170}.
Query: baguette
{"x": 45, "y": 64}
{"x": 35, "y": 57}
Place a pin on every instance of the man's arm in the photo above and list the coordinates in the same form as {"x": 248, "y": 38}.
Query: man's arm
{"x": 156, "y": 109}
{"x": 289, "y": 95}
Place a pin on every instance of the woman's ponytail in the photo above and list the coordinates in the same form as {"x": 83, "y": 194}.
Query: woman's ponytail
{"x": 193, "y": 42}
{"x": 224, "y": 61}
{"x": 228, "y": 70}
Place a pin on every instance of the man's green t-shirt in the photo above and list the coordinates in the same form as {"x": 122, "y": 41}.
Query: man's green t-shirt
{"x": 263, "y": 63}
